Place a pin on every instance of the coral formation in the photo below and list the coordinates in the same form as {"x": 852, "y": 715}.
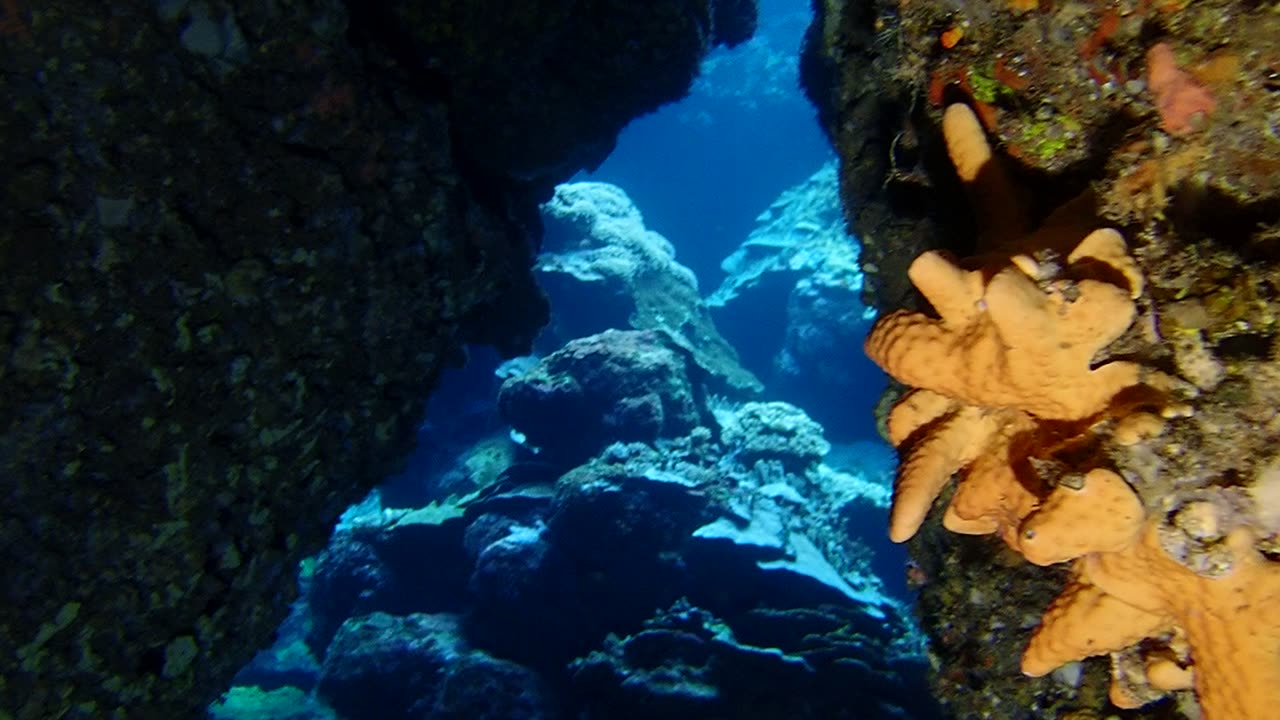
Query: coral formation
{"x": 955, "y": 435}
{"x": 1168, "y": 113}
{"x": 1022, "y": 329}
{"x": 1104, "y": 504}
{"x": 1014, "y": 346}
{"x": 602, "y": 268}
{"x": 1228, "y": 616}
{"x": 1007, "y": 343}
{"x": 618, "y": 385}
{"x": 1006, "y": 389}
{"x": 790, "y": 303}
{"x": 1004, "y": 358}
{"x": 772, "y": 431}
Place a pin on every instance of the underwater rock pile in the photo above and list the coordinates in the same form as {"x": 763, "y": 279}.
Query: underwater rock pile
{"x": 688, "y": 663}
{"x": 602, "y": 268}
{"x": 386, "y": 667}
{"x": 773, "y": 432}
{"x": 702, "y": 570}
{"x": 617, "y": 386}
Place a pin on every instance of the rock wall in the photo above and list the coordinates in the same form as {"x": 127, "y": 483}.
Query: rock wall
{"x": 1157, "y": 120}
{"x": 239, "y": 241}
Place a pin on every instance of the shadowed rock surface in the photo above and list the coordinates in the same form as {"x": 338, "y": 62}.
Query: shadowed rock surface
{"x": 239, "y": 241}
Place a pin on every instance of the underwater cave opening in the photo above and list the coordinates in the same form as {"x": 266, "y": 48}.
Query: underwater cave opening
{"x": 691, "y": 449}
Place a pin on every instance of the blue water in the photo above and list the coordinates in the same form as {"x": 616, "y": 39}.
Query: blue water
{"x": 702, "y": 169}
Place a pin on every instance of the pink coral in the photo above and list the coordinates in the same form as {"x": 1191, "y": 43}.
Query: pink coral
{"x": 1179, "y": 98}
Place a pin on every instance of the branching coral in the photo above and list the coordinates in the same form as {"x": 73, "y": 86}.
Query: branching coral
{"x": 946, "y": 436}
{"x": 1003, "y": 379}
{"x": 1023, "y": 328}
{"x": 1229, "y": 617}
{"x": 1008, "y": 343}
{"x": 1104, "y": 503}
{"x": 1012, "y": 348}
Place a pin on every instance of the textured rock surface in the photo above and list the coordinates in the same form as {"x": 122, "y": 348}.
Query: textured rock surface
{"x": 238, "y": 243}
{"x": 1073, "y": 93}
{"x": 773, "y": 431}
{"x": 1168, "y": 114}
{"x": 690, "y": 663}
{"x": 615, "y": 386}
{"x": 780, "y": 609}
{"x": 390, "y": 666}
{"x": 584, "y": 70}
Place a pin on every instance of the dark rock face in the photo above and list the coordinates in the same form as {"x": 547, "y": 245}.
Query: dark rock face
{"x": 366, "y": 569}
{"x": 528, "y": 602}
{"x": 482, "y": 687}
{"x": 689, "y": 663}
{"x": 628, "y": 515}
{"x": 382, "y": 666}
{"x": 540, "y": 90}
{"x": 867, "y": 115}
{"x": 350, "y": 579}
{"x": 238, "y": 243}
